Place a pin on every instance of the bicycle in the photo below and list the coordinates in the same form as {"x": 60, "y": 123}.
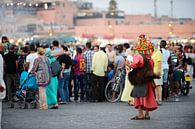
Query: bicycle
{"x": 114, "y": 87}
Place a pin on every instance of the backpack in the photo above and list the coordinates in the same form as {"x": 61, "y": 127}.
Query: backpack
{"x": 55, "y": 68}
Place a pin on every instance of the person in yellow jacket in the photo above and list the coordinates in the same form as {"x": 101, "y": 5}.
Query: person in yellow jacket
{"x": 157, "y": 59}
{"x": 99, "y": 68}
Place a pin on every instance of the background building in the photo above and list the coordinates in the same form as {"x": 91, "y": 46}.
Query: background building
{"x": 28, "y": 18}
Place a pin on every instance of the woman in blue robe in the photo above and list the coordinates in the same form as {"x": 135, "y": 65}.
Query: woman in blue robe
{"x": 51, "y": 89}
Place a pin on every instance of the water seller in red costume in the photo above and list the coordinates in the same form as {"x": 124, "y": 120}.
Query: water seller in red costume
{"x": 141, "y": 75}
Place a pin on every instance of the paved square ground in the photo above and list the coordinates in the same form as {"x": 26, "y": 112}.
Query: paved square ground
{"x": 171, "y": 115}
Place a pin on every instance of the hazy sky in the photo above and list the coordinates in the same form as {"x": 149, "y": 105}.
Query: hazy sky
{"x": 182, "y": 8}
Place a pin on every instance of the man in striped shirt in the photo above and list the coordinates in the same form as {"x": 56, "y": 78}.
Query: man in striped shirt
{"x": 88, "y": 56}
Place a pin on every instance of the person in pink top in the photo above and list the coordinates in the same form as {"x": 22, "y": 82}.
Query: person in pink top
{"x": 79, "y": 69}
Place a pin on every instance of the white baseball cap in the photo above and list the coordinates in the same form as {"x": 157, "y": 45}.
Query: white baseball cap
{"x": 102, "y": 45}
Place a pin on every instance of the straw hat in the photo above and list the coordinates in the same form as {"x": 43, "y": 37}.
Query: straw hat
{"x": 143, "y": 45}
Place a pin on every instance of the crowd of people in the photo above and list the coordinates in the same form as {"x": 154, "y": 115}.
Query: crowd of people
{"x": 85, "y": 70}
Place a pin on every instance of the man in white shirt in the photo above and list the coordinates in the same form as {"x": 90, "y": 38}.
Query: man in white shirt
{"x": 31, "y": 58}
{"x": 165, "y": 66}
{"x": 111, "y": 54}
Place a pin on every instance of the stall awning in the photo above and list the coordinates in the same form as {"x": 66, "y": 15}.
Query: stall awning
{"x": 109, "y": 37}
{"x": 88, "y": 35}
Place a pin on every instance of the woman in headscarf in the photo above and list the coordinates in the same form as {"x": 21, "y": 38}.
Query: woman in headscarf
{"x": 51, "y": 89}
{"x": 128, "y": 86}
{"x": 41, "y": 68}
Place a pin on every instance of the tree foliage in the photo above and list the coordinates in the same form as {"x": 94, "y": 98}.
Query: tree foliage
{"x": 112, "y": 6}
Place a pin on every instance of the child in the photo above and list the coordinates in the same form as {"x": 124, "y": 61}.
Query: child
{"x": 110, "y": 73}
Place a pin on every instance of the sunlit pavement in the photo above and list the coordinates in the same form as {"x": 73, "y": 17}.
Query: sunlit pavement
{"x": 171, "y": 115}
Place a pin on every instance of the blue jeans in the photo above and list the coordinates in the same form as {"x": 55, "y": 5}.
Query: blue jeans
{"x": 63, "y": 87}
{"x": 165, "y": 75}
{"x": 79, "y": 83}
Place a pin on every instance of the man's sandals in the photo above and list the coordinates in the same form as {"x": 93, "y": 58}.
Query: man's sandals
{"x": 141, "y": 118}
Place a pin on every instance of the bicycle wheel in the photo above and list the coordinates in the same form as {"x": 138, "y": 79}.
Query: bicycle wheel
{"x": 113, "y": 91}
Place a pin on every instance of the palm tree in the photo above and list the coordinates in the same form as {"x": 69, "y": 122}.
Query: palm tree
{"x": 112, "y": 7}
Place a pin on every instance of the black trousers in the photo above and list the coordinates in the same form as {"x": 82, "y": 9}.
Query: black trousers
{"x": 88, "y": 86}
{"x": 12, "y": 84}
{"x": 98, "y": 87}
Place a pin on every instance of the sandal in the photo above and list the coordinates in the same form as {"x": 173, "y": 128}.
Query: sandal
{"x": 54, "y": 107}
{"x": 130, "y": 103}
{"x": 137, "y": 118}
{"x": 147, "y": 117}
